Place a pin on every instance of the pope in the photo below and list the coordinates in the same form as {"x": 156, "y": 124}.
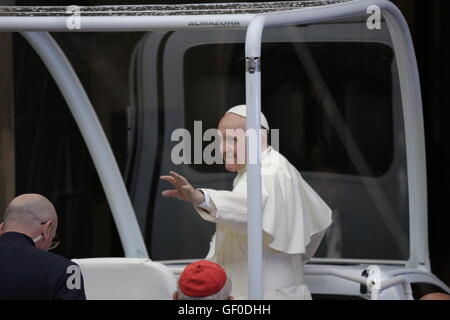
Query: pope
{"x": 294, "y": 217}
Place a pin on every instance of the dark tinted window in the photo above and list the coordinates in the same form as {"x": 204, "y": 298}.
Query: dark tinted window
{"x": 356, "y": 76}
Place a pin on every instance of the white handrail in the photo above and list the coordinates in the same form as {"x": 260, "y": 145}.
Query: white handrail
{"x": 374, "y": 288}
{"x": 337, "y": 273}
{"x": 386, "y": 284}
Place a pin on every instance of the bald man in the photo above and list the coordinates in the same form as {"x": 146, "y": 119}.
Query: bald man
{"x": 27, "y": 269}
{"x": 436, "y": 296}
{"x": 294, "y": 217}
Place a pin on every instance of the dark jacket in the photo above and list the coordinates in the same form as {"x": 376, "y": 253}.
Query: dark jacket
{"x": 27, "y": 272}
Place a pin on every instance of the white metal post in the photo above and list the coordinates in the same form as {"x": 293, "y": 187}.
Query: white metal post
{"x": 414, "y": 135}
{"x": 254, "y": 197}
{"x": 96, "y": 141}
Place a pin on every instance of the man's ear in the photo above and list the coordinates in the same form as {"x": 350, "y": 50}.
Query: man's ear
{"x": 1, "y": 228}
{"x": 175, "y": 295}
{"x": 230, "y": 298}
{"x": 47, "y": 227}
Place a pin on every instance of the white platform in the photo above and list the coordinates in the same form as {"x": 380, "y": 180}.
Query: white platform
{"x": 126, "y": 279}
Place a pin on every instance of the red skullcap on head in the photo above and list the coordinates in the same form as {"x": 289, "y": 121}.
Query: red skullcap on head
{"x": 202, "y": 279}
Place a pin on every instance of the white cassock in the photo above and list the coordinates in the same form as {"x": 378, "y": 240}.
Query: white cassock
{"x": 294, "y": 221}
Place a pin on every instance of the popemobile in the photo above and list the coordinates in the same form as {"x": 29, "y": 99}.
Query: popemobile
{"x": 337, "y": 78}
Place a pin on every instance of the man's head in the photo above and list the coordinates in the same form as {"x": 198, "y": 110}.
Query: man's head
{"x": 33, "y": 215}
{"x": 232, "y": 127}
{"x": 203, "y": 280}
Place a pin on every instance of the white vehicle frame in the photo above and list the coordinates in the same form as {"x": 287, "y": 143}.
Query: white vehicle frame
{"x": 383, "y": 282}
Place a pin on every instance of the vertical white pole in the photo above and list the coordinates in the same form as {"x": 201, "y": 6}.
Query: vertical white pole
{"x": 254, "y": 197}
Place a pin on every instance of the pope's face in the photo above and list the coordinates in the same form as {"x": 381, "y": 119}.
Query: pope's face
{"x": 232, "y": 129}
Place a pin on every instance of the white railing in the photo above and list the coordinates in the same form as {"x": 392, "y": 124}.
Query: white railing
{"x": 374, "y": 284}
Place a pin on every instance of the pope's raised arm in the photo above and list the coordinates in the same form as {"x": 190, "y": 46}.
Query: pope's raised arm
{"x": 227, "y": 208}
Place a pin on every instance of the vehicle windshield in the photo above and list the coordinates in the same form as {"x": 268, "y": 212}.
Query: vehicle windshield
{"x": 331, "y": 89}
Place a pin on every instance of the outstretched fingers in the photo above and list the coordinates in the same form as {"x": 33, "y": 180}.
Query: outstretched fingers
{"x": 179, "y": 178}
{"x": 170, "y": 193}
{"x": 169, "y": 179}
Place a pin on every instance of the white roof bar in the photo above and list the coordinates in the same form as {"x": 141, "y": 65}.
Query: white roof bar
{"x": 190, "y": 9}
{"x": 145, "y": 18}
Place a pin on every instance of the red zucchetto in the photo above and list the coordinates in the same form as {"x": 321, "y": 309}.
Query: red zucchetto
{"x": 202, "y": 279}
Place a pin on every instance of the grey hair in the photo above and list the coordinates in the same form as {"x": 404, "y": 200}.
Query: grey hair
{"x": 223, "y": 294}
